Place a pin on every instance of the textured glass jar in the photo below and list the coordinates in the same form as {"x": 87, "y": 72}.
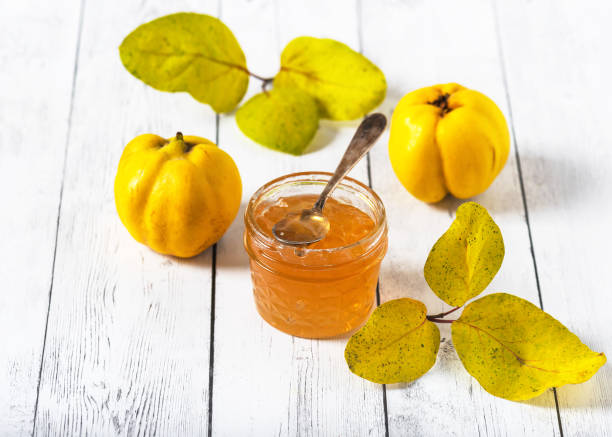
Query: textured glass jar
{"x": 315, "y": 293}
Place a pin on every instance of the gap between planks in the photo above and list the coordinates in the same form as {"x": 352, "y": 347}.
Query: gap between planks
{"x": 517, "y": 156}
{"x": 358, "y": 11}
{"x": 213, "y": 290}
{"x": 75, "y": 71}
{"x": 359, "y": 21}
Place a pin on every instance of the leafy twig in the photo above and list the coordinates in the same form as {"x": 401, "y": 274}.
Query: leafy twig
{"x": 436, "y": 316}
{"x": 265, "y": 81}
{"x": 433, "y": 319}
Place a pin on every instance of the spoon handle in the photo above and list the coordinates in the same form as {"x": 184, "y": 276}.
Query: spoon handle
{"x": 367, "y": 133}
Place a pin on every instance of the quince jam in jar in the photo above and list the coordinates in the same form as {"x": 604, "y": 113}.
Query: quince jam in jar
{"x": 329, "y": 287}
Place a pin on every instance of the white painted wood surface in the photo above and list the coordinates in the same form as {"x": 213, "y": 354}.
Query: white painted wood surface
{"x": 563, "y": 136}
{"x": 101, "y": 336}
{"x": 128, "y": 330}
{"x": 296, "y": 386}
{"x": 34, "y": 117}
{"x": 448, "y": 51}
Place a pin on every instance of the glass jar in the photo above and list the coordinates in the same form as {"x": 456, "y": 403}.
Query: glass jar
{"x": 315, "y": 293}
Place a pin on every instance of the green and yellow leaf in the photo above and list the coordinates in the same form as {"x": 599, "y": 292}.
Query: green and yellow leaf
{"x": 516, "y": 351}
{"x": 397, "y": 344}
{"x": 282, "y": 119}
{"x": 466, "y": 258}
{"x": 345, "y": 83}
{"x": 188, "y": 52}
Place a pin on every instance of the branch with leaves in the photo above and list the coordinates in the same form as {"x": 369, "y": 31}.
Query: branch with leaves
{"x": 198, "y": 54}
{"x": 515, "y": 350}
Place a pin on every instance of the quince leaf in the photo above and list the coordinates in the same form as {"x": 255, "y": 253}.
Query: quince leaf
{"x": 516, "y": 351}
{"x": 466, "y": 257}
{"x": 188, "y": 52}
{"x": 282, "y": 119}
{"x": 397, "y": 343}
{"x": 345, "y": 83}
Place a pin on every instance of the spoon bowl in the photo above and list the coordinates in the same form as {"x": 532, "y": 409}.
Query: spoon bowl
{"x": 297, "y": 227}
{"x": 310, "y": 225}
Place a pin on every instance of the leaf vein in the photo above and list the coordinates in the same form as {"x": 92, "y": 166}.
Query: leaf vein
{"x": 311, "y": 75}
{"x": 403, "y": 335}
{"x": 521, "y": 360}
{"x": 196, "y": 55}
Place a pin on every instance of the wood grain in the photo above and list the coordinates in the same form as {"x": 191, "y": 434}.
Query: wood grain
{"x": 557, "y": 77}
{"x": 437, "y": 43}
{"x": 36, "y": 76}
{"x": 266, "y": 382}
{"x": 128, "y": 333}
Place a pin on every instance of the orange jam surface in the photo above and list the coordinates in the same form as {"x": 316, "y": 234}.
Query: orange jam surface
{"x": 325, "y": 289}
{"x": 347, "y": 224}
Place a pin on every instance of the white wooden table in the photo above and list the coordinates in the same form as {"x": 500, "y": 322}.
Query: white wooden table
{"x": 101, "y": 336}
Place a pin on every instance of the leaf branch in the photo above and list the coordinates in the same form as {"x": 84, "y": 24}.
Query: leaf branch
{"x": 435, "y": 320}
{"x": 437, "y": 316}
{"x": 265, "y": 81}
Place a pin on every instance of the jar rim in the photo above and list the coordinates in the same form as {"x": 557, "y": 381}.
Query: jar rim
{"x": 378, "y": 207}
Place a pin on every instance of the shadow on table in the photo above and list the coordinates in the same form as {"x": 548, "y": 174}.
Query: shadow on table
{"x": 231, "y": 253}
{"x": 327, "y": 132}
{"x": 391, "y": 100}
{"x": 329, "y": 129}
{"x": 550, "y": 182}
{"x": 397, "y": 282}
{"x": 549, "y": 179}
{"x": 579, "y": 396}
{"x": 230, "y": 248}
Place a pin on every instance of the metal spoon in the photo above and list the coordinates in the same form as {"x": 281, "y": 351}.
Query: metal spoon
{"x": 310, "y": 225}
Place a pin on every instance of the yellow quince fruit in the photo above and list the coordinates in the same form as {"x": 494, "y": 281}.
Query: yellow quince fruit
{"x": 447, "y": 139}
{"x": 179, "y": 195}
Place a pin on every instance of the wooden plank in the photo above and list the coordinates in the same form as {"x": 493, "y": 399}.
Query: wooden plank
{"x": 128, "y": 333}
{"x": 37, "y": 70}
{"x": 266, "y": 382}
{"x": 419, "y": 44}
{"x": 558, "y": 66}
